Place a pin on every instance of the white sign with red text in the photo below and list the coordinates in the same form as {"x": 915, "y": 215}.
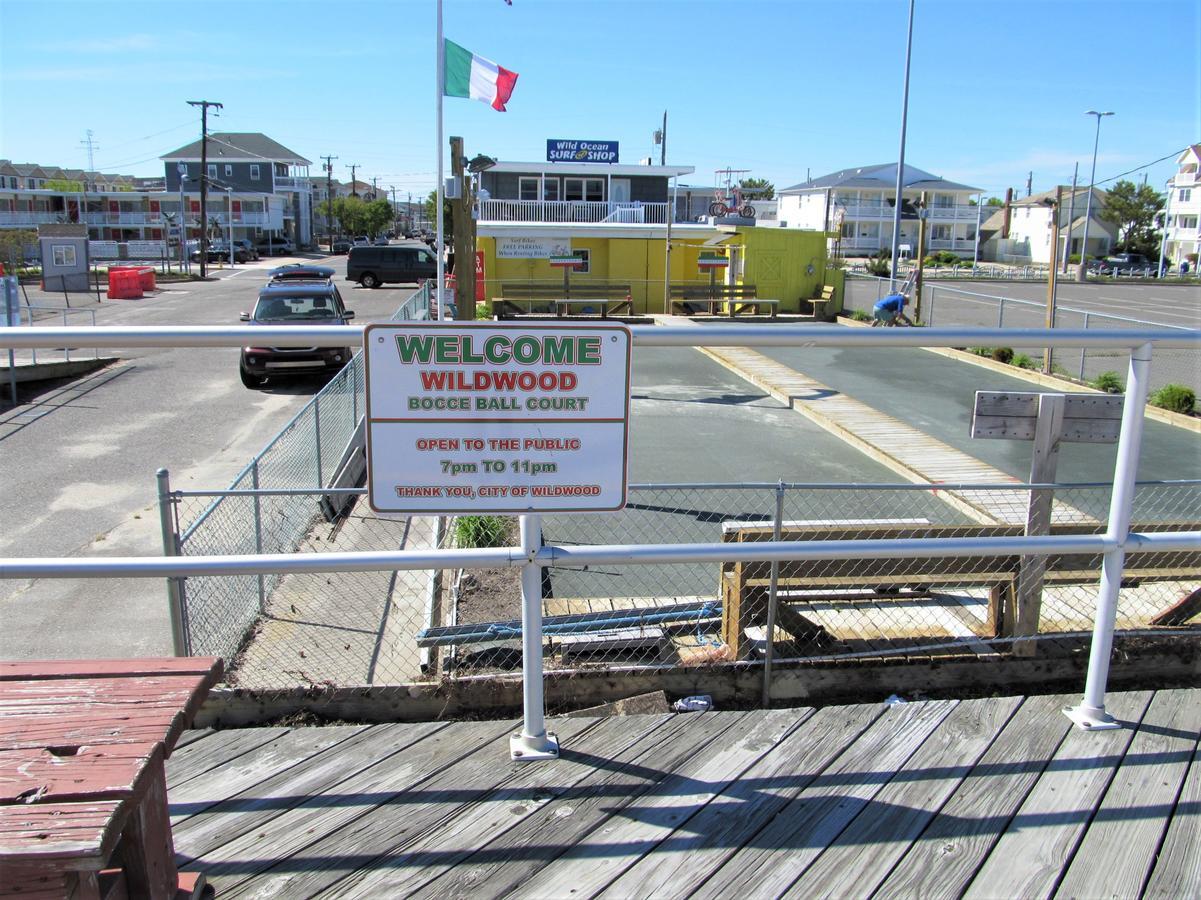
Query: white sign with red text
{"x": 465, "y": 418}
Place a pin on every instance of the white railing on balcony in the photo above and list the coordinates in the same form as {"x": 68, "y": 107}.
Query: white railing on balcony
{"x": 30, "y": 218}
{"x": 293, "y": 184}
{"x": 573, "y": 211}
{"x": 870, "y": 210}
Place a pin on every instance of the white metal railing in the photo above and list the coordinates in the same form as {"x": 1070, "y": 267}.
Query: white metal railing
{"x": 882, "y": 210}
{"x": 532, "y": 557}
{"x": 292, "y": 183}
{"x": 27, "y": 313}
{"x": 30, "y": 218}
{"x": 572, "y": 211}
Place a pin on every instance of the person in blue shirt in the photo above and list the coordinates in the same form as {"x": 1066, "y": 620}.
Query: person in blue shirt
{"x": 888, "y": 310}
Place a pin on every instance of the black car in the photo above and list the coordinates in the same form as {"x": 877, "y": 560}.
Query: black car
{"x": 301, "y": 272}
{"x": 341, "y": 245}
{"x": 294, "y": 302}
{"x": 373, "y": 266}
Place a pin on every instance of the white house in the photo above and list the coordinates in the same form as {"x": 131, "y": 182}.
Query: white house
{"x": 1022, "y": 233}
{"x": 1183, "y": 209}
{"x": 858, "y": 205}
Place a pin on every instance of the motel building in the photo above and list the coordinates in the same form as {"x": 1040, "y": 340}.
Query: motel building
{"x": 614, "y": 218}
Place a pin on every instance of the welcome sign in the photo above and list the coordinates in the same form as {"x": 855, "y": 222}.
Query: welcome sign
{"x": 497, "y": 418}
{"x": 581, "y": 151}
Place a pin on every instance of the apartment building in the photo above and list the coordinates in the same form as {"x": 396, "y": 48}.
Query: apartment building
{"x": 1183, "y": 209}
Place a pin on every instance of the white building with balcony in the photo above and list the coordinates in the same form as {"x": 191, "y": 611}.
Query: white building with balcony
{"x": 1183, "y": 209}
{"x": 1021, "y": 233}
{"x": 858, "y": 203}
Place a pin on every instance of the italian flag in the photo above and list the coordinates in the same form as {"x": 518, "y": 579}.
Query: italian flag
{"x": 472, "y": 76}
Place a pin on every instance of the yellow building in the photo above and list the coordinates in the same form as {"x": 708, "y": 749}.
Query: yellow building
{"x": 788, "y": 265}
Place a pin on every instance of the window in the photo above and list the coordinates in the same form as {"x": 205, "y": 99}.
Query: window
{"x": 1186, "y": 194}
{"x": 848, "y": 229}
{"x": 229, "y": 170}
{"x": 550, "y": 189}
{"x": 64, "y": 254}
{"x": 527, "y": 188}
{"x": 944, "y": 201}
{"x": 212, "y": 170}
{"x": 1188, "y": 222}
{"x": 254, "y": 172}
{"x": 584, "y": 189}
{"x": 940, "y": 233}
{"x": 584, "y": 255}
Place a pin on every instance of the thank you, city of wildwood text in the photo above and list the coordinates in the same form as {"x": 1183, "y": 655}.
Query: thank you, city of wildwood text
{"x": 497, "y": 418}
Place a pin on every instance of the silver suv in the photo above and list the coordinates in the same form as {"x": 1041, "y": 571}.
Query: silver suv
{"x": 294, "y": 302}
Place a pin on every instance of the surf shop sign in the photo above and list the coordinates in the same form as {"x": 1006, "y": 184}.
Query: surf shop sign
{"x": 581, "y": 151}
{"x": 497, "y": 418}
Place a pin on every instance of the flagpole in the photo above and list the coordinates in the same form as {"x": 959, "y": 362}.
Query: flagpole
{"x": 441, "y": 276}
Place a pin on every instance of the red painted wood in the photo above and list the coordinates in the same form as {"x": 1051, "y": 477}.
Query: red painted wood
{"x": 104, "y": 772}
{"x": 60, "y": 836}
{"x": 111, "y": 668}
{"x": 86, "y": 728}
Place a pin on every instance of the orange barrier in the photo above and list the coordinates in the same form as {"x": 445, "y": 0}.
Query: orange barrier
{"x": 124, "y": 284}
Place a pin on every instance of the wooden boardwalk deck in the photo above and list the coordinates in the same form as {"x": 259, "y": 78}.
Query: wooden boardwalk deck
{"x": 980, "y": 798}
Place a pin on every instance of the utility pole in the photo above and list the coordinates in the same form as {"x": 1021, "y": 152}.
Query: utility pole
{"x": 353, "y": 192}
{"x": 204, "y": 194}
{"x": 1067, "y": 242}
{"x": 464, "y": 235}
{"x": 663, "y": 143}
{"x": 329, "y": 200}
{"x": 1052, "y": 271}
{"x": 1030, "y": 184}
{"x": 395, "y": 209}
{"x": 374, "y": 188}
{"x": 896, "y": 213}
{"x": 409, "y": 214}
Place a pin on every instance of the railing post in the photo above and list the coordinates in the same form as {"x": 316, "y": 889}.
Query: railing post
{"x": 179, "y": 641}
{"x": 1001, "y": 313}
{"x": 930, "y": 310}
{"x": 1083, "y": 350}
{"x": 258, "y": 531}
{"x": 317, "y": 430}
{"x": 1090, "y": 714}
{"x": 772, "y": 600}
{"x": 533, "y": 743}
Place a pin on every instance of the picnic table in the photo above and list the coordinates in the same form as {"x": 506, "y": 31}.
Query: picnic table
{"x": 83, "y": 793}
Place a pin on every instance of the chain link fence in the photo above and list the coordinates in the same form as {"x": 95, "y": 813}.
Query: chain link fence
{"x": 400, "y": 627}
{"x": 950, "y": 306}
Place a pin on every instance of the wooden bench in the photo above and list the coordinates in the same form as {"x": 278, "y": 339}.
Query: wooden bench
{"x": 520, "y": 299}
{"x": 687, "y": 299}
{"x": 83, "y": 794}
{"x": 744, "y": 586}
{"x": 819, "y": 302}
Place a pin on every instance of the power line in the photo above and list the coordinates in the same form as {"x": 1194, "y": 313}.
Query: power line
{"x": 1145, "y": 165}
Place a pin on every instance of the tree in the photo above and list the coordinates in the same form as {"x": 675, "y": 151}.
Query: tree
{"x": 448, "y": 220}
{"x": 13, "y": 245}
{"x": 757, "y": 188}
{"x": 994, "y": 201}
{"x": 1132, "y": 208}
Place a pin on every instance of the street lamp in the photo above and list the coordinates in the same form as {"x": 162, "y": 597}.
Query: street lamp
{"x": 1088, "y": 205}
{"x": 1162, "y": 215}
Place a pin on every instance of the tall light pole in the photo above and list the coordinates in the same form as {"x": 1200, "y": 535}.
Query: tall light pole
{"x": 1162, "y": 215}
{"x": 896, "y": 213}
{"x": 1088, "y": 203}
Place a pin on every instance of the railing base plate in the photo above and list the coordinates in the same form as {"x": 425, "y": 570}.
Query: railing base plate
{"x": 1089, "y": 718}
{"x": 523, "y": 748}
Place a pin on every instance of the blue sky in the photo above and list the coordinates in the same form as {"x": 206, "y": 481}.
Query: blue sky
{"x": 999, "y": 87}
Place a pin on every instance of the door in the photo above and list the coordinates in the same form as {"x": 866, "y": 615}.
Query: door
{"x": 620, "y": 190}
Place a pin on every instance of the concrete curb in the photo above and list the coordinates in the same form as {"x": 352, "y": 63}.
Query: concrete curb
{"x": 1188, "y": 423}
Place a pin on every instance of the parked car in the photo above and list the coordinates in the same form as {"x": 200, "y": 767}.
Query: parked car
{"x": 373, "y": 266}
{"x": 1130, "y": 263}
{"x": 362, "y": 241}
{"x": 301, "y": 272}
{"x": 340, "y": 245}
{"x": 381, "y": 241}
{"x": 275, "y": 246}
{"x": 294, "y": 302}
{"x": 244, "y": 251}
{"x": 219, "y": 252}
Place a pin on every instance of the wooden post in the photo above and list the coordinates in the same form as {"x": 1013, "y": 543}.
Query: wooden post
{"x": 464, "y": 256}
{"x": 1051, "y": 272}
{"x": 921, "y": 259}
{"x": 1043, "y": 462}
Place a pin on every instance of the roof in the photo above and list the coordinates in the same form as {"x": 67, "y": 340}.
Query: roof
{"x": 239, "y": 145}
{"x": 1100, "y": 197}
{"x": 593, "y": 169}
{"x": 880, "y": 176}
{"x": 1192, "y": 150}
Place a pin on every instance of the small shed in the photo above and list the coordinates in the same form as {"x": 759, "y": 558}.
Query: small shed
{"x": 64, "y": 257}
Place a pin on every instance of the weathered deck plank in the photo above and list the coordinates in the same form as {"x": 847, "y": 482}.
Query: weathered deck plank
{"x": 768, "y": 863}
{"x": 1042, "y": 836}
{"x": 954, "y": 845}
{"x": 682, "y": 863}
{"x": 499, "y": 860}
{"x": 258, "y": 804}
{"x": 218, "y": 749}
{"x": 381, "y": 839}
{"x": 860, "y": 858}
{"x": 1177, "y": 870}
{"x": 1135, "y": 811}
{"x": 633, "y": 831}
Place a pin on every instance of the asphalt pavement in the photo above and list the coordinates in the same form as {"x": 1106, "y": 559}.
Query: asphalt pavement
{"x": 80, "y": 466}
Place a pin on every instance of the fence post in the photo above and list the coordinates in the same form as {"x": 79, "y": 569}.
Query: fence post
{"x": 772, "y": 599}
{"x": 317, "y": 430}
{"x": 1001, "y": 313}
{"x": 258, "y": 532}
{"x": 179, "y": 642}
{"x": 533, "y": 743}
{"x": 1083, "y": 350}
{"x": 1090, "y": 714}
{"x": 930, "y": 311}
{"x": 354, "y": 393}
